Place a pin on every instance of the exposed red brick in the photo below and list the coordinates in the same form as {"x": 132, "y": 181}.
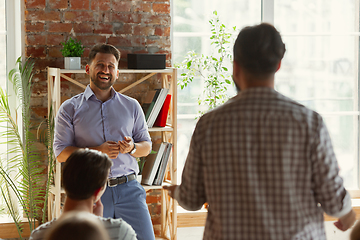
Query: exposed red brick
{"x": 153, "y": 199}
{"x": 103, "y": 28}
{"x": 156, "y": 19}
{"x": 34, "y": 26}
{"x": 143, "y": 50}
{"x": 41, "y": 15}
{"x": 121, "y": 5}
{"x": 143, "y": 30}
{"x": 143, "y": 7}
{"x": 104, "y": 16}
{"x": 102, "y": 5}
{"x": 138, "y": 41}
{"x": 79, "y": 4}
{"x": 58, "y": 4}
{"x": 35, "y": 3}
{"x": 123, "y": 28}
{"x": 35, "y": 39}
{"x": 40, "y": 111}
{"x": 54, "y": 39}
{"x": 84, "y": 27}
{"x": 120, "y": 41}
{"x": 162, "y": 41}
{"x": 35, "y": 52}
{"x": 161, "y": 8}
{"x": 168, "y": 1}
{"x": 60, "y": 27}
{"x": 126, "y": 17}
{"x": 162, "y": 31}
{"x": 91, "y": 40}
{"x": 55, "y": 52}
{"x": 86, "y": 51}
{"x": 44, "y": 63}
{"x": 79, "y": 16}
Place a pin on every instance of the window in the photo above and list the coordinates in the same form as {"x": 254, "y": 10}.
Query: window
{"x": 320, "y": 67}
{"x": 10, "y": 43}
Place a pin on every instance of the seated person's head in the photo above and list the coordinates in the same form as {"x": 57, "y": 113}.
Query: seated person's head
{"x": 85, "y": 172}
{"x": 77, "y": 226}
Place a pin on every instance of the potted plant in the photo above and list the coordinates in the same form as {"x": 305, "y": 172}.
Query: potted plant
{"x": 72, "y": 51}
{"x": 22, "y": 174}
{"x": 212, "y": 70}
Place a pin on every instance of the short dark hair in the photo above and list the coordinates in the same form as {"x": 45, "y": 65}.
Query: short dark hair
{"x": 84, "y": 172}
{"x": 259, "y": 49}
{"x": 104, "y": 48}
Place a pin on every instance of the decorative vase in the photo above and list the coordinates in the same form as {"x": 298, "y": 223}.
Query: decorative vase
{"x": 73, "y": 63}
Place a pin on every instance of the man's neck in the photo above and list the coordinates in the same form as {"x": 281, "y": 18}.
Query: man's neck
{"x": 78, "y": 205}
{"x": 102, "y": 95}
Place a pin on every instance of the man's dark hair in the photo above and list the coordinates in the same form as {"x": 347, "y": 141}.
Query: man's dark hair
{"x": 84, "y": 172}
{"x": 259, "y": 49}
{"x": 104, "y": 48}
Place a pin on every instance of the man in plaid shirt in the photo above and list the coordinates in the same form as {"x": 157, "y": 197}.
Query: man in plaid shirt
{"x": 263, "y": 162}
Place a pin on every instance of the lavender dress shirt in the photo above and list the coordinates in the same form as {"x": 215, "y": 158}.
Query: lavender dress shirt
{"x": 85, "y": 121}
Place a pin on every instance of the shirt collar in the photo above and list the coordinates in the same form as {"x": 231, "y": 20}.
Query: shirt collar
{"x": 89, "y": 92}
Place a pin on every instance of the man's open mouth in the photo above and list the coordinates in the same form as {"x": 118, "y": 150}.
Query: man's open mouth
{"x": 104, "y": 77}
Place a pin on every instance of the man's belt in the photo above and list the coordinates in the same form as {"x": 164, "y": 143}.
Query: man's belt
{"x": 113, "y": 182}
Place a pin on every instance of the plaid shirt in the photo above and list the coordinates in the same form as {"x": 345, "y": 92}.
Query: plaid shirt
{"x": 266, "y": 166}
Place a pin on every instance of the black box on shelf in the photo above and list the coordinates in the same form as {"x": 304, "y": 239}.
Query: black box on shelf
{"x": 146, "y": 61}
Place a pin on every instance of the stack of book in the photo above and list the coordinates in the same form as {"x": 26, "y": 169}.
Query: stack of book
{"x": 153, "y": 103}
{"x": 155, "y": 165}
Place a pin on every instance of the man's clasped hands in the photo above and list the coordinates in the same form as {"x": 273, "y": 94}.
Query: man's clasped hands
{"x": 112, "y": 148}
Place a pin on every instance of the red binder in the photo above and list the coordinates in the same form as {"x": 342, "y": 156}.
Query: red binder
{"x": 163, "y": 114}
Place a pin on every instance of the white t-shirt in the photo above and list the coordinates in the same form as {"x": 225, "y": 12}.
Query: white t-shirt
{"x": 117, "y": 229}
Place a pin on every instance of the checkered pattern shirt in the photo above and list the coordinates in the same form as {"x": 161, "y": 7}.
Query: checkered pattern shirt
{"x": 266, "y": 166}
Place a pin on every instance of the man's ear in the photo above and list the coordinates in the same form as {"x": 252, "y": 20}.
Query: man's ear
{"x": 278, "y": 67}
{"x": 97, "y": 191}
{"x": 87, "y": 69}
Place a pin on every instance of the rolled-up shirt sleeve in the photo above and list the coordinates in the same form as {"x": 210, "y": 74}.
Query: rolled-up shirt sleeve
{"x": 64, "y": 129}
{"x": 327, "y": 184}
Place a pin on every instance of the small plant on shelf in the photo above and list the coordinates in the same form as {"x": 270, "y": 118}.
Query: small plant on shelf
{"x": 72, "y": 48}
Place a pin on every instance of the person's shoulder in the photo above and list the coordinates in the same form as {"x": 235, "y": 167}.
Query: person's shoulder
{"x": 39, "y": 232}
{"x": 118, "y": 228}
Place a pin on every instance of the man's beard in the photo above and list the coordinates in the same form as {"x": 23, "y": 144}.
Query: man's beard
{"x": 103, "y": 85}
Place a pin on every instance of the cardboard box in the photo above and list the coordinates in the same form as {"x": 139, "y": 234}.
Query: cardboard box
{"x": 146, "y": 61}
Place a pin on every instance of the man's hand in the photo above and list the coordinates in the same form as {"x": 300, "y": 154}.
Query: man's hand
{"x": 111, "y": 148}
{"x": 171, "y": 190}
{"x": 126, "y": 145}
{"x": 98, "y": 208}
{"x": 346, "y": 222}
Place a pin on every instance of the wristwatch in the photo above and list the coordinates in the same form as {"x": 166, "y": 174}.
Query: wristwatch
{"x": 133, "y": 150}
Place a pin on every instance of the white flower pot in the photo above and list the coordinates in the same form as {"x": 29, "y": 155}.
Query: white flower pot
{"x": 72, "y": 63}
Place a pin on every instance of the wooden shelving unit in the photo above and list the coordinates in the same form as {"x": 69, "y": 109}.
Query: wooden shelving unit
{"x": 168, "y": 133}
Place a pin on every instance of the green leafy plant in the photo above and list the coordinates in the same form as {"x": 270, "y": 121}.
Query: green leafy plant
{"x": 72, "y": 48}
{"x": 22, "y": 174}
{"x": 211, "y": 69}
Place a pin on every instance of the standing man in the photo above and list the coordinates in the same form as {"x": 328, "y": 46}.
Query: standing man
{"x": 102, "y": 119}
{"x": 263, "y": 162}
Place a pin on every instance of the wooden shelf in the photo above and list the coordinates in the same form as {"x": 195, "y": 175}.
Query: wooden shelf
{"x": 168, "y": 205}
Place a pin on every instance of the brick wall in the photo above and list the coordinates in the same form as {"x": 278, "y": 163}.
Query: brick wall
{"x": 136, "y": 26}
